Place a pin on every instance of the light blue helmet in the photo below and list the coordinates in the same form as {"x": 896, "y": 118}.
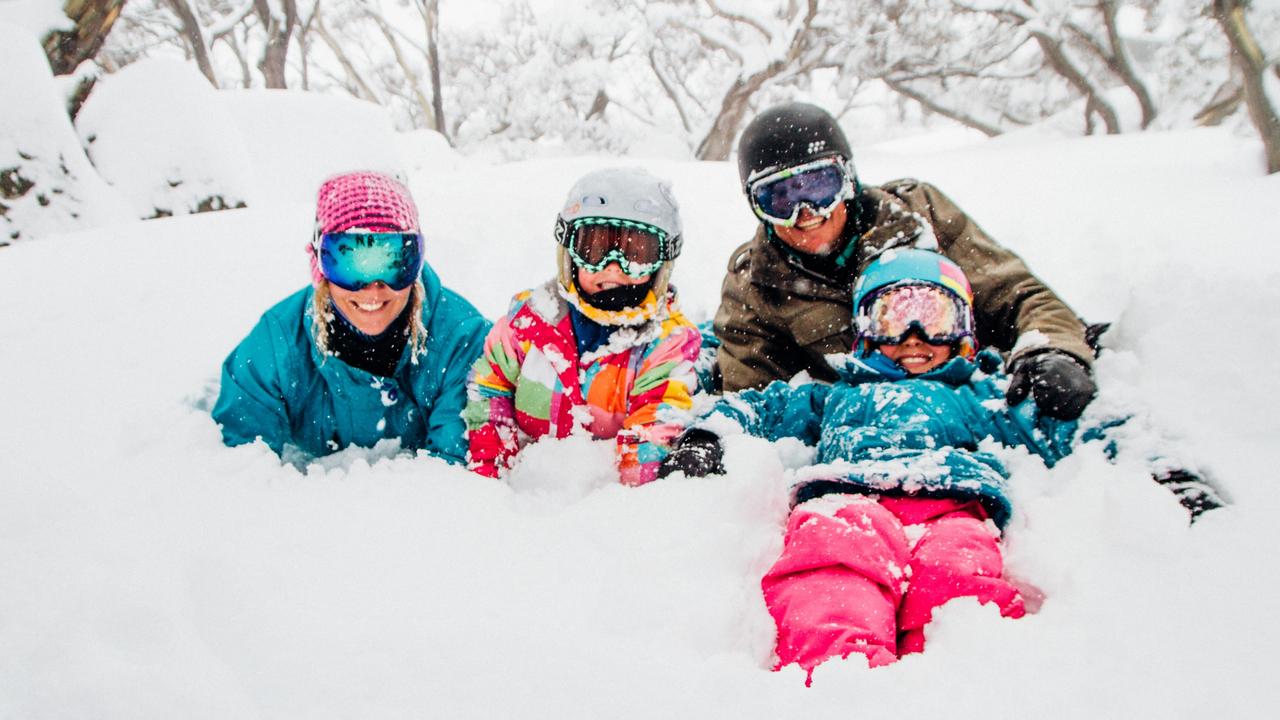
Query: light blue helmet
{"x": 911, "y": 266}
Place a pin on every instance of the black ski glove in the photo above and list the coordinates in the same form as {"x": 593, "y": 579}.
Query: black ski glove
{"x": 696, "y": 453}
{"x": 1193, "y": 492}
{"x": 1060, "y": 384}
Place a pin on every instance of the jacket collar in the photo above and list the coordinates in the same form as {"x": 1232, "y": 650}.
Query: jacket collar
{"x": 878, "y": 368}
{"x": 431, "y": 296}
{"x": 771, "y": 267}
{"x": 550, "y": 304}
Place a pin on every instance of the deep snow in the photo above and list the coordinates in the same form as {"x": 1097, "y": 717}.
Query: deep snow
{"x": 151, "y": 572}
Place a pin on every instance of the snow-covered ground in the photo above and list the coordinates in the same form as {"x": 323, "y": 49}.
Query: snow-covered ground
{"x": 150, "y": 572}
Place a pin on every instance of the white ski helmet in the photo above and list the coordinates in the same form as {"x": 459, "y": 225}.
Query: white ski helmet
{"x": 629, "y": 195}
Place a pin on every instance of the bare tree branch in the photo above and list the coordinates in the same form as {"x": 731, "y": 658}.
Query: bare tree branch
{"x": 1123, "y": 66}
{"x": 411, "y": 76}
{"x": 713, "y": 43}
{"x": 430, "y": 12}
{"x": 717, "y": 143}
{"x": 1057, "y": 57}
{"x": 670, "y": 91}
{"x": 227, "y": 25}
{"x": 361, "y": 88}
{"x": 194, "y": 37}
{"x": 233, "y": 43}
{"x": 734, "y": 17}
{"x": 933, "y": 106}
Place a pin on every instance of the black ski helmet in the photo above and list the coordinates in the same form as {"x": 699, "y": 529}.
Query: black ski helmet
{"x": 787, "y": 135}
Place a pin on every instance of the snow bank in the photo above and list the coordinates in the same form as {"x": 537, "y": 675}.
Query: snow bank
{"x": 161, "y": 135}
{"x": 172, "y": 145}
{"x": 151, "y": 572}
{"x": 46, "y": 184}
{"x": 295, "y": 140}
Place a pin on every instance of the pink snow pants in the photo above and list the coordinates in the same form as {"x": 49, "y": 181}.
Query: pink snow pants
{"x": 849, "y": 579}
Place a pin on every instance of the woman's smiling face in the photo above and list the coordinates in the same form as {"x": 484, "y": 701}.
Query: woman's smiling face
{"x": 372, "y": 308}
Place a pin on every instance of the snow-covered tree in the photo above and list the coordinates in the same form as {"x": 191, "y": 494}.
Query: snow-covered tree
{"x": 46, "y": 183}
{"x": 614, "y": 75}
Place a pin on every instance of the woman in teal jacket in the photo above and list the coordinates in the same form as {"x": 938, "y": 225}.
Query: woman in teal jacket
{"x": 377, "y": 348}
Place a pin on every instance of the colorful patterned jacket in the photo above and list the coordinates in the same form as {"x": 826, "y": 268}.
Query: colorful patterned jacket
{"x": 530, "y": 382}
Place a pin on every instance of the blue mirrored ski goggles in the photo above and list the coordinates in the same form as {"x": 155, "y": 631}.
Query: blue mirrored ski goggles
{"x": 820, "y": 185}
{"x": 354, "y": 260}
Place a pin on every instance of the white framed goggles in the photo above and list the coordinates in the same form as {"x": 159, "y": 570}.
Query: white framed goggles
{"x": 820, "y": 185}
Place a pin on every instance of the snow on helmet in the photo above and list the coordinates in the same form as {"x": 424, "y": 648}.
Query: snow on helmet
{"x": 897, "y": 267}
{"x": 788, "y": 135}
{"x": 630, "y": 197}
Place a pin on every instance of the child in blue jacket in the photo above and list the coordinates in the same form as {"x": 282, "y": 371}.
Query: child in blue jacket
{"x": 897, "y": 446}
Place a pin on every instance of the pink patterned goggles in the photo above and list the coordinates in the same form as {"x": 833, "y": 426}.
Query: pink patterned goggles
{"x": 937, "y": 314}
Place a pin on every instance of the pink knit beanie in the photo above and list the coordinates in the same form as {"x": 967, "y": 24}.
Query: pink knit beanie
{"x": 366, "y": 200}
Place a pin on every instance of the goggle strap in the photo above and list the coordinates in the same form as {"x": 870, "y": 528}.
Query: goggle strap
{"x": 668, "y": 247}
{"x": 764, "y": 178}
{"x": 620, "y": 223}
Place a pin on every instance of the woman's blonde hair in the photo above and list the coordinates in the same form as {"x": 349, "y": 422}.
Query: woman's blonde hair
{"x": 322, "y": 311}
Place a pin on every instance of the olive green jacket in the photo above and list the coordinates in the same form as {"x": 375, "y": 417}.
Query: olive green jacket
{"x": 777, "y": 318}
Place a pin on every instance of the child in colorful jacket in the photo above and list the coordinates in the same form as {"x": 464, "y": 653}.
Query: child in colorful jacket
{"x": 897, "y": 445}
{"x": 602, "y": 346}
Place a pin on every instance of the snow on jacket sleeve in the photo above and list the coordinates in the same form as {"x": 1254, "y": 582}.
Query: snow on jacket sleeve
{"x": 780, "y": 410}
{"x": 1123, "y": 427}
{"x": 492, "y": 436}
{"x": 658, "y": 401}
{"x": 459, "y": 332}
{"x": 1126, "y": 434}
{"x": 251, "y": 402}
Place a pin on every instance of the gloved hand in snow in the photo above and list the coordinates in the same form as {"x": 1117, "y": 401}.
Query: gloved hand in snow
{"x": 1193, "y": 492}
{"x": 1060, "y": 385}
{"x": 696, "y": 453}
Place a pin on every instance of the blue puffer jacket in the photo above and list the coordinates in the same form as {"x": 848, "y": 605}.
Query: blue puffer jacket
{"x": 879, "y": 430}
{"x": 277, "y": 386}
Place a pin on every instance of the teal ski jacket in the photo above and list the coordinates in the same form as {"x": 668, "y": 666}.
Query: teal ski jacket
{"x": 277, "y": 385}
{"x": 879, "y": 430}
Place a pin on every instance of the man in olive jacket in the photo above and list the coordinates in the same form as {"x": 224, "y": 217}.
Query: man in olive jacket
{"x": 787, "y": 298}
